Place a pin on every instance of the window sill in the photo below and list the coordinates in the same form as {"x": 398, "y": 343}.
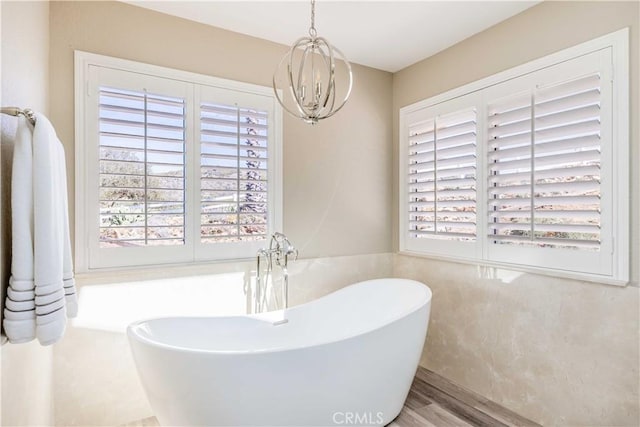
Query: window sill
{"x": 152, "y": 272}
{"x": 563, "y": 274}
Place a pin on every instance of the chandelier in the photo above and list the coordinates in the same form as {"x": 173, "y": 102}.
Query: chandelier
{"x": 310, "y": 77}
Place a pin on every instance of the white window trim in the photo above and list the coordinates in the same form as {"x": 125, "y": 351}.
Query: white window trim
{"x": 618, "y": 41}
{"x": 82, "y": 62}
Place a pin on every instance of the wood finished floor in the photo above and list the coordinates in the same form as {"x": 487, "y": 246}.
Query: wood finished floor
{"x": 434, "y": 401}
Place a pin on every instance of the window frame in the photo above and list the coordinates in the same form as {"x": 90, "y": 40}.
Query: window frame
{"x": 619, "y": 242}
{"x": 192, "y": 252}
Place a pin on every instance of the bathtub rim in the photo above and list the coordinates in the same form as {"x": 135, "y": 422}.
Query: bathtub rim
{"x": 132, "y": 335}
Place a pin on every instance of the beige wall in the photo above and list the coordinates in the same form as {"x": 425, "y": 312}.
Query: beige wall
{"x": 561, "y": 352}
{"x": 27, "y": 378}
{"x": 331, "y": 170}
{"x": 558, "y": 351}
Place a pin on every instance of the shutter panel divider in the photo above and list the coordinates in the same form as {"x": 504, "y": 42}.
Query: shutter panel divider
{"x": 533, "y": 163}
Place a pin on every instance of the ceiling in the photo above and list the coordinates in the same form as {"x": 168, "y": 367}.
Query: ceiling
{"x": 388, "y": 35}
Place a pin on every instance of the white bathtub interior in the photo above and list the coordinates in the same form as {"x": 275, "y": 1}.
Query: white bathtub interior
{"x": 335, "y": 317}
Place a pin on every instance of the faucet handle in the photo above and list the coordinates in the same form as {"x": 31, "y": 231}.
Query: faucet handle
{"x": 293, "y": 251}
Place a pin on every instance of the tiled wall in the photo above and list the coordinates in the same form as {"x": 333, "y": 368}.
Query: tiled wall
{"x": 558, "y": 351}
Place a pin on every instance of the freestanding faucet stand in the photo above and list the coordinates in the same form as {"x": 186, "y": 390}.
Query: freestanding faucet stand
{"x": 280, "y": 249}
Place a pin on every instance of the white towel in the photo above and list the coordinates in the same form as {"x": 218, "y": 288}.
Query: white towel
{"x": 42, "y": 290}
{"x": 19, "y": 313}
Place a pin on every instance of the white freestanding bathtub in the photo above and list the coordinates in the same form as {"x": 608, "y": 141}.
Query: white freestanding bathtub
{"x": 345, "y": 359}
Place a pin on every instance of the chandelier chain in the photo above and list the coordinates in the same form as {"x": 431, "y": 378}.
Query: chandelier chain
{"x": 312, "y": 29}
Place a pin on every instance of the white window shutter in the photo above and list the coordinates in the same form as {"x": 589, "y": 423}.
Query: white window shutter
{"x": 141, "y": 168}
{"x": 510, "y": 173}
{"x": 233, "y": 173}
{"x": 439, "y": 170}
{"x": 421, "y": 179}
{"x": 544, "y": 167}
{"x": 442, "y": 177}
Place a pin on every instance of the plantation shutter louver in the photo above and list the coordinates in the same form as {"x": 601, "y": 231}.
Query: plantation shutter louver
{"x": 233, "y": 173}
{"x": 544, "y": 158}
{"x": 141, "y": 168}
{"x": 442, "y": 177}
